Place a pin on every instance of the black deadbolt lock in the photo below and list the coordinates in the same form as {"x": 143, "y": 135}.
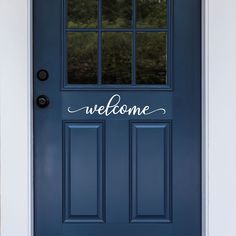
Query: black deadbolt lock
{"x": 42, "y": 75}
{"x": 42, "y": 101}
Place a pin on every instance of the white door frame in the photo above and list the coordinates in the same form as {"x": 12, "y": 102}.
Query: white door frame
{"x": 218, "y": 106}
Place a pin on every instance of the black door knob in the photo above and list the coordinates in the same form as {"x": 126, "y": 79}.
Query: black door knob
{"x": 42, "y": 75}
{"x": 42, "y": 101}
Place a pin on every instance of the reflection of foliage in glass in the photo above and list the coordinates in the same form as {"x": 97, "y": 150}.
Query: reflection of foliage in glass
{"x": 82, "y": 13}
{"x": 117, "y": 13}
{"x": 151, "y": 13}
{"x": 82, "y": 58}
{"x": 151, "y": 52}
{"x": 117, "y": 50}
{"x": 151, "y": 58}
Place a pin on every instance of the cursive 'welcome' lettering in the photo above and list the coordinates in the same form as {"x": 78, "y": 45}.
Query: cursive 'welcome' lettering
{"x": 113, "y": 108}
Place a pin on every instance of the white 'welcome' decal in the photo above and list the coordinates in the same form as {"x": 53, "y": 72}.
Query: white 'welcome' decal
{"x": 113, "y": 107}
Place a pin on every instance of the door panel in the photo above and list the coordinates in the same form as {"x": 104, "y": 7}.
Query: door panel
{"x": 117, "y": 151}
{"x": 84, "y": 172}
{"x": 150, "y": 172}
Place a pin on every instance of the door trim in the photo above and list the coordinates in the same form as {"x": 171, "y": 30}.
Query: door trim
{"x": 218, "y": 119}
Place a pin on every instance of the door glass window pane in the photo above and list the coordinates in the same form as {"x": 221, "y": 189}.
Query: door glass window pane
{"x": 82, "y": 58}
{"x": 82, "y": 13}
{"x": 151, "y": 14}
{"x": 117, "y": 50}
{"x": 151, "y": 58}
{"x": 117, "y": 13}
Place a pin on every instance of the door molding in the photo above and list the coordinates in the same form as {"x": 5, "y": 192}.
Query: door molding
{"x": 218, "y": 119}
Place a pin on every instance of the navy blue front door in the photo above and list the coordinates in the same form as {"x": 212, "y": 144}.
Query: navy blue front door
{"x": 117, "y": 117}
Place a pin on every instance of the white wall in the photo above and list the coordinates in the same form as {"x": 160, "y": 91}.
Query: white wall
{"x": 15, "y": 117}
{"x": 15, "y": 128}
{"x": 222, "y": 117}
